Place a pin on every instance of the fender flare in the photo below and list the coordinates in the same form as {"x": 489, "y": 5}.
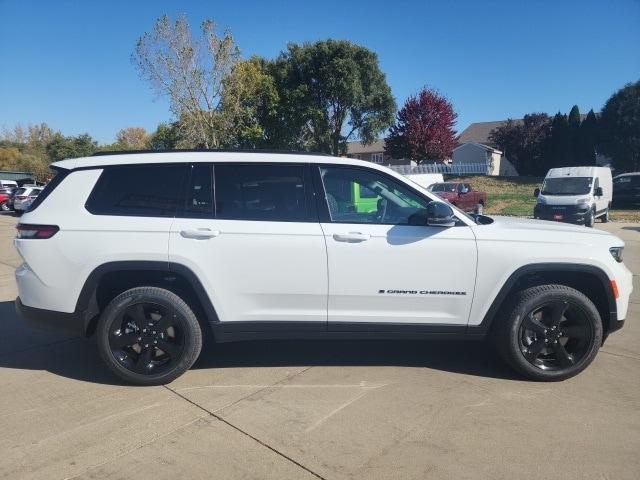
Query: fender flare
{"x": 485, "y": 326}
{"x": 87, "y": 305}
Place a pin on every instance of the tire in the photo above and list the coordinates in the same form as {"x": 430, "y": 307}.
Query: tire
{"x": 479, "y": 209}
{"x": 5, "y": 207}
{"x": 527, "y": 341}
{"x": 591, "y": 219}
{"x": 137, "y": 325}
{"x": 605, "y": 217}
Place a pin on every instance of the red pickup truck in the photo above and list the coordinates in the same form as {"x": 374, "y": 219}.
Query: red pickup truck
{"x": 461, "y": 195}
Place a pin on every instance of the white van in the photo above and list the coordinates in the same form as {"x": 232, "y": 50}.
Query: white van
{"x": 8, "y": 184}
{"x": 575, "y": 195}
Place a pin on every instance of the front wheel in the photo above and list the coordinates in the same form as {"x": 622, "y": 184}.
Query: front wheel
{"x": 591, "y": 218}
{"x": 148, "y": 336}
{"x": 4, "y": 206}
{"x": 551, "y": 332}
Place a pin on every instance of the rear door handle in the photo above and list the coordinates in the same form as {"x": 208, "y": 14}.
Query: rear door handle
{"x": 202, "y": 233}
{"x": 353, "y": 237}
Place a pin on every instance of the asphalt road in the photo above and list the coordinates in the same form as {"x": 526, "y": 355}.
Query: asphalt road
{"x": 331, "y": 410}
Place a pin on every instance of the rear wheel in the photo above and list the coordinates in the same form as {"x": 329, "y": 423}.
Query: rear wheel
{"x": 4, "y": 206}
{"x": 479, "y": 208}
{"x": 148, "y": 336}
{"x": 551, "y": 332}
{"x": 605, "y": 217}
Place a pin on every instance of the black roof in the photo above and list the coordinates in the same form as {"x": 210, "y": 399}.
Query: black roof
{"x": 128, "y": 152}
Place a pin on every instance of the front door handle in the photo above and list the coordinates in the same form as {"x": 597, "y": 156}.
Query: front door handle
{"x": 353, "y": 237}
{"x": 202, "y": 233}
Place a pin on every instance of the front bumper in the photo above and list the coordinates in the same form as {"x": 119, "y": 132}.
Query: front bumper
{"x": 70, "y": 323}
{"x": 562, "y": 213}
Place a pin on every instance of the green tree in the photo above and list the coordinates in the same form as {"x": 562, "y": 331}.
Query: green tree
{"x": 250, "y": 102}
{"x": 588, "y": 139}
{"x": 557, "y": 149}
{"x": 330, "y": 91}
{"x": 620, "y": 128}
{"x": 166, "y": 137}
{"x": 132, "y": 138}
{"x": 61, "y": 147}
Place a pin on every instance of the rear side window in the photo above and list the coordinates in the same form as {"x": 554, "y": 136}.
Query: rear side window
{"x": 138, "y": 191}
{"x": 268, "y": 192}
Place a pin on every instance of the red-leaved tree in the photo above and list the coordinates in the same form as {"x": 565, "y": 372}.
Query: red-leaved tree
{"x": 423, "y": 128}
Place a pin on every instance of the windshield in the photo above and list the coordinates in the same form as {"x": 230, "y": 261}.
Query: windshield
{"x": 567, "y": 186}
{"x": 443, "y": 187}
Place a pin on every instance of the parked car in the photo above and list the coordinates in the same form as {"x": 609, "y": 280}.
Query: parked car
{"x": 575, "y": 195}
{"x": 8, "y": 184}
{"x": 263, "y": 246}
{"x": 5, "y": 199}
{"x": 626, "y": 190}
{"x": 24, "y": 197}
{"x": 461, "y": 195}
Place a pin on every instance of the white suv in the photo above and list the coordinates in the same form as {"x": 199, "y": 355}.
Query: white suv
{"x": 149, "y": 250}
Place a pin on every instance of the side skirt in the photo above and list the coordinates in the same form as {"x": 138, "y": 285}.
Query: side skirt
{"x": 243, "y": 331}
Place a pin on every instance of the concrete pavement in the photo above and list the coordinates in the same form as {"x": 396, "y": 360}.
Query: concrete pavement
{"x": 332, "y": 410}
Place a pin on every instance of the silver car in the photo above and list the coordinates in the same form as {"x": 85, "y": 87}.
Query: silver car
{"x": 24, "y": 197}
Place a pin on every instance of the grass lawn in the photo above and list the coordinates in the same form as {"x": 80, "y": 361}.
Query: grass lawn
{"x": 514, "y": 196}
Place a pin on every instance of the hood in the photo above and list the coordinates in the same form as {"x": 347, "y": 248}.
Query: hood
{"x": 542, "y": 231}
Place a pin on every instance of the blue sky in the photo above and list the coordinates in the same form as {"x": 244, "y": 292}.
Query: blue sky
{"x": 68, "y": 62}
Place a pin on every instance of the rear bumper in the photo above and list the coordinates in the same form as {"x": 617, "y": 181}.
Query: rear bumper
{"x": 70, "y": 323}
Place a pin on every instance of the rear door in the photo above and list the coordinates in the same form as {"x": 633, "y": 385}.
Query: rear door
{"x": 386, "y": 267}
{"x": 251, "y": 234}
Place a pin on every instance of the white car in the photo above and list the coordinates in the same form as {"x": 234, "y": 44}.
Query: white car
{"x": 24, "y": 197}
{"x": 147, "y": 250}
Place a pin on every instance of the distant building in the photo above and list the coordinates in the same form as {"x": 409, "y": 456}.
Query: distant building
{"x": 472, "y": 152}
{"x": 373, "y": 153}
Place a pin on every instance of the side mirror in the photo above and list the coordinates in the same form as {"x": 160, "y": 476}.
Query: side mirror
{"x": 440, "y": 214}
{"x": 536, "y": 192}
{"x": 598, "y": 192}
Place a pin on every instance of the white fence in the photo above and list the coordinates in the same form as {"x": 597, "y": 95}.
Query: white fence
{"x": 453, "y": 169}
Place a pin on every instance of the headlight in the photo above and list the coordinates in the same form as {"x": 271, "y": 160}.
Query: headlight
{"x": 582, "y": 201}
{"x": 616, "y": 252}
{"x": 542, "y": 201}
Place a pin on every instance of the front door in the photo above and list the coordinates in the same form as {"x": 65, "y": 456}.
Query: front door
{"x": 386, "y": 266}
{"x": 251, "y": 234}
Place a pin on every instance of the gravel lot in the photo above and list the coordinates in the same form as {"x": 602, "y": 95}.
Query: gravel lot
{"x": 332, "y": 410}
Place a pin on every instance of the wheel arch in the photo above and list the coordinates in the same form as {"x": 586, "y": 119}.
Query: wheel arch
{"x": 588, "y": 279}
{"x": 110, "y": 279}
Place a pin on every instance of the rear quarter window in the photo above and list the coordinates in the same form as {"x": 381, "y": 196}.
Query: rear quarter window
{"x": 138, "y": 190}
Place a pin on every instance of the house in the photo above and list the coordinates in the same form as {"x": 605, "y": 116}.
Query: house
{"x": 472, "y": 152}
{"x": 373, "y": 153}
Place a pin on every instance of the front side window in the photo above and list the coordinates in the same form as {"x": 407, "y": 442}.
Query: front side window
{"x": 267, "y": 192}
{"x": 138, "y": 190}
{"x": 386, "y": 201}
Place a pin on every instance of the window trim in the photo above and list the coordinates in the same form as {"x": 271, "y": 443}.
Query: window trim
{"x": 323, "y": 208}
{"x": 311, "y": 212}
{"x": 180, "y": 186}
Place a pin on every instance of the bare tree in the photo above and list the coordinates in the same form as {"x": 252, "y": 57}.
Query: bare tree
{"x": 191, "y": 72}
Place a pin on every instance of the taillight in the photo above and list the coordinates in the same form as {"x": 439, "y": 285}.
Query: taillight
{"x": 26, "y": 230}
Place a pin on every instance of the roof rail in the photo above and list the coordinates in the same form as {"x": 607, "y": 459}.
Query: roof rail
{"x": 180, "y": 150}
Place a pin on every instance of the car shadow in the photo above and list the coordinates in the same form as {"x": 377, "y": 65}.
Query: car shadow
{"x": 25, "y": 348}
{"x": 637, "y": 229}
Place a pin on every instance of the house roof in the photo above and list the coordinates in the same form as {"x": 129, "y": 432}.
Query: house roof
{"x": 355, "y": 148}
{"x": 479, "y": 132}
{"x": 481, "y": 145}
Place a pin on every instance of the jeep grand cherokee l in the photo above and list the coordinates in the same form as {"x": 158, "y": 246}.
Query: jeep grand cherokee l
{"x": 146, "y": 251}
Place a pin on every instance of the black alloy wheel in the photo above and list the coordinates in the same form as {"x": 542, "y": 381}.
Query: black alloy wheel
{"x": 555, "y": 335}
{"x": 148, "y": 336}
{"x": 548, "y": 332}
